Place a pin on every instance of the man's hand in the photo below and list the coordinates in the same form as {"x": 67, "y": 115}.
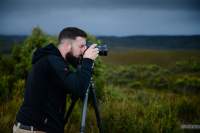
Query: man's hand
{"x": 91, "y": 52}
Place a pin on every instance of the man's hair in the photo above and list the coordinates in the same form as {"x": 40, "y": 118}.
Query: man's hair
{"x": 71, "y": 33}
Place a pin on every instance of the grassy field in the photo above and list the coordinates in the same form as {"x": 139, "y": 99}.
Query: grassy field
{"x": 143, "y": 91}
{"x": 142, "y": 95}
{"x": 159, "y": 57}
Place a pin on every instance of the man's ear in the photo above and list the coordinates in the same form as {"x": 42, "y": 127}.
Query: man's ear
{"x": 69, "y": 46}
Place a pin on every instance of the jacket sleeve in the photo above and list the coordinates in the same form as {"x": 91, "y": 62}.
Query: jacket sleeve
{"x": 77, "y": 82}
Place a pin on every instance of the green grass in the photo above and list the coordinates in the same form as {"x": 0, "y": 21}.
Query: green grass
{"x": 126, "y": 110}
{"x": 159, "y": 57}
{"x": 144, "y": 91}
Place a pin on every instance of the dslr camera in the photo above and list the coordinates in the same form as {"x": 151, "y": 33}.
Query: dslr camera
{"x": 103, "y": 49}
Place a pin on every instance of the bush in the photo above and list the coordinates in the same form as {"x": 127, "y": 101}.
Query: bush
{"x": 187, "y": 84}
{"x": 190, "y": 65}
{"x": 6, "y": 86}
{"x": 6, "y": 65}
{"x": 139, "y": 76}
{"x": 160, "y": 82}
{"x": 135, "y": 85}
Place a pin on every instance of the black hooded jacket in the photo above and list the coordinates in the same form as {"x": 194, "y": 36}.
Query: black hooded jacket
{"x": 46, "y": 87}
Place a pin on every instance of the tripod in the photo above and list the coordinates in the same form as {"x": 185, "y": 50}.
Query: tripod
{"x": 90, "y": 91}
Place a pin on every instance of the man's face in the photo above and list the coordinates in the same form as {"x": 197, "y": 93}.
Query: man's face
{"x": 78, "y": 47}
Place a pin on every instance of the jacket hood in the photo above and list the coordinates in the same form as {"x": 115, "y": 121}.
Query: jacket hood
{"x": 47, "y": 50}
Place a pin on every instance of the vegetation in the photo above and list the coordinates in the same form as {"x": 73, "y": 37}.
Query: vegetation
{"x": 142, "y": 94}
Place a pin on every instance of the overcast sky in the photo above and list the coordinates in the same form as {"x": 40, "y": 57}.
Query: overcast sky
{"x": 103, "y": 17}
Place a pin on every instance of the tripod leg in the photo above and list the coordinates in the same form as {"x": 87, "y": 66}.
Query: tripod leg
{"x": 95, "y": 104}
{"x": 69, "y": 110}
{"x": 84, "y": 111}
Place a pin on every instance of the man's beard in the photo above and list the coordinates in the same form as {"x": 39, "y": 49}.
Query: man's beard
{"x": 74, "y": 61}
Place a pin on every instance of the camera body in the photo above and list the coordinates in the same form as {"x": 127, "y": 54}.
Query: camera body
{"x": 103, "y": 49}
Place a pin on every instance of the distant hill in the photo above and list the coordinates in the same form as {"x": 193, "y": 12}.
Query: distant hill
{"x": 135, "y": 42}
{"x": 6, "y": 42}
{"x": 153, "y": 42}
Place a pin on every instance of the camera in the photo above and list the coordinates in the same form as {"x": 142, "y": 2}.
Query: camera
{"x": 103, "y": 49}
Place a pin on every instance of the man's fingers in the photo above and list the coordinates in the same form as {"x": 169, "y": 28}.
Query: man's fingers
{"x": 96, "y": 49}
{"x": 93, "y": 45}
{"x": 91, "y": 52}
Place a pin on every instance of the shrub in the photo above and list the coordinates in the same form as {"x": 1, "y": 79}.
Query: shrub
{"x": 187, "y": 84}
{"x": 160, "y": 82}
{"x": 135, "y": 85}
{"x": 190, "y": 65}
{"x": 6, "y": 86}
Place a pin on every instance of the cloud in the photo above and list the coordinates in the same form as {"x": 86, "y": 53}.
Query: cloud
{"x": 105, "y": 17}
{"x": 101, "y": 4}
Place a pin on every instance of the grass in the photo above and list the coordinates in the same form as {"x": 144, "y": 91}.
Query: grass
{"x": 147, "y": 110}
{"x": 127, "y": 110}
{"x": 159, "y": 57}
{"x": 138, "y": 94}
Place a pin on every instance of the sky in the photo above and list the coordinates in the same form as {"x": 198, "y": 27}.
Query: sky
{"x": 102, "y": 17}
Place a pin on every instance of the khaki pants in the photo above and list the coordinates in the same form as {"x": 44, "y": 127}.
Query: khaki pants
{"x": 16, "y": 129}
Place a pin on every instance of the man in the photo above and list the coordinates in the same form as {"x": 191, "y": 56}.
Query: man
{"x": 50, "y": 80}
